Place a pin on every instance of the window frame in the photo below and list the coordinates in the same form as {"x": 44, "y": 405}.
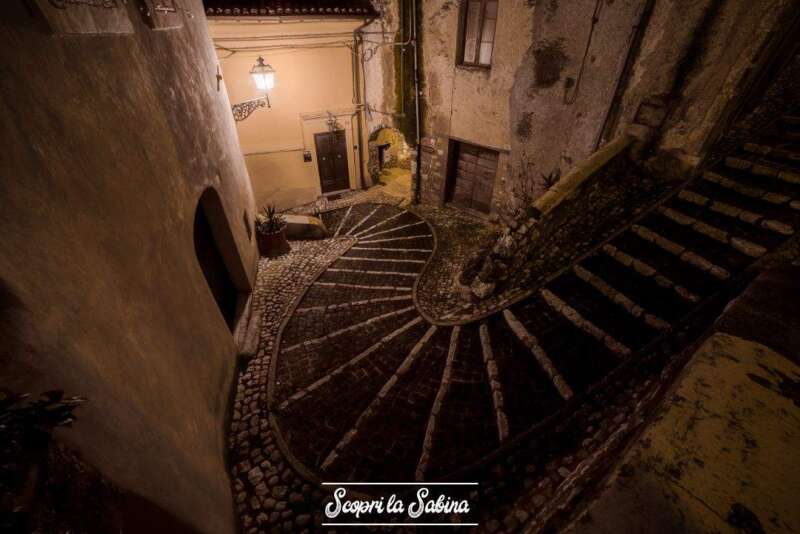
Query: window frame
{"x": 462, "y": 35}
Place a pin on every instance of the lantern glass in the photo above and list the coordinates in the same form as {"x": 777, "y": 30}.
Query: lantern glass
{"x": 263, "y": 75}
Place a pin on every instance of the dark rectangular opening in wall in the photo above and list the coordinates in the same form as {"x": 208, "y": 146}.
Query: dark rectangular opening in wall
{"x": 471, "y": 171}
{"x": 213, "y": 266}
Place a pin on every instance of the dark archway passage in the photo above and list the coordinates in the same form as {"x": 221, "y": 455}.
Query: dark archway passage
{"x": 212, "y": 240}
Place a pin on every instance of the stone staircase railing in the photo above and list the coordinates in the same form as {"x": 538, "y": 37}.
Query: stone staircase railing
{"x": 519, "y": 234}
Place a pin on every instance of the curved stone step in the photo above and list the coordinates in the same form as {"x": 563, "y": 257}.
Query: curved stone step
{"x": 620, "y": 299}
{"x": 494, "y": 382}
{"x": 363, "y": 220}
{"x": 436, "y": 408}
{"x": 376, "y": 403}
{"x": 680, "y": 252}
{"x": 742, "y": 245}
{"x": 366, "y": 389}
{"x": 648, "y": 271}
{"x": 747, "y": 190}
{"x": 343, "y": 221}
{"x": 735, "y": 212}
{"x": 538, "y": 353}
{"x": 581, "y": 322}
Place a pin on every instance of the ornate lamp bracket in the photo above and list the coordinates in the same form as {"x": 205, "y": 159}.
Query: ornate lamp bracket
{"x": 244, "y": 109}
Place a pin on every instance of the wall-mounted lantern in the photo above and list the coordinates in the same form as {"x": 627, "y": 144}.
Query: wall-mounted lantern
{"x": 264, "y": 77}
{"x": 263, "y": 74}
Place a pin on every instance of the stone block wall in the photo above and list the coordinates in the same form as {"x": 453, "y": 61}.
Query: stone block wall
{"x": 433, "y": 169}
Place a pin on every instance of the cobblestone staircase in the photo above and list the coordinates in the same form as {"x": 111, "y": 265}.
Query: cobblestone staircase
{"x": 365, "y": 388}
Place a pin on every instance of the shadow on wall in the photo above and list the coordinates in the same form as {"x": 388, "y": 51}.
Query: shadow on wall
{"x": 217, "y": 255}
{"x": 14, "y": 347}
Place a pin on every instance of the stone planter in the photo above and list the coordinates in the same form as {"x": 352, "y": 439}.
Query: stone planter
{"x": 273, "y": 244}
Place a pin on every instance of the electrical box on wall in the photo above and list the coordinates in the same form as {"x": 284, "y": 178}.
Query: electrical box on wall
{"x": 307, "y": 156}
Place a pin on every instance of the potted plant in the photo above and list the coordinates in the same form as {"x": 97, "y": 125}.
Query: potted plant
{"x": 271, "y": 233}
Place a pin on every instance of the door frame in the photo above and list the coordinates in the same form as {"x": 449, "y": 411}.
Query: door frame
{"x": 317, "y": 123}
{"x": 319, "y": 175}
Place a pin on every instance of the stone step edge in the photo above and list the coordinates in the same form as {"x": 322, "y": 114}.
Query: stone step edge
{"x": 346, "y": 305}
{"x": 766, "y": 150}
{"x": 621, "y": 300}
{"x": 395, "y": 229}
{"x": 749, "y": 191}
{"x": 380, "y": 260}
{"x": 346, "y": 215}
{"x": 405, "y": 238}
{"x": 680, "y": 252}
{"x": 648, "y": 271}
{"x": 441, "y": 394}
{"x": 323, "y": 380}
{"x": 337, "y": 333}
{"x": 383, "y": 249}
{"x": 362, "y": 221}
{"x": 381, "y": 223}
{"x": 742, "y": 245}
{"x": 362, "y": 286}
{"x": 582, "y": 323}
{"x": 496, "y": 386}
{"x": 361, "y": 271}
{"x": 760, "y": 169}
{"x": 530, "y": 341}
{"x": 374, "y": 405}
{"x": 734, "y": 212}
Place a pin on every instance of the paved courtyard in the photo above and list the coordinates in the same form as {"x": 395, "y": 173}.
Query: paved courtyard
{"x": 356, "y": 380}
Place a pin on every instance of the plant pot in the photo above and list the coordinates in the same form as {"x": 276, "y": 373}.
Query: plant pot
{"x": 273, "y": 244}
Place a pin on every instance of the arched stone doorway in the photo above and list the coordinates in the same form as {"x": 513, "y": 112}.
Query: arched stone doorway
{"x": 387, "y": 150}
{"x": 218, "y": 256}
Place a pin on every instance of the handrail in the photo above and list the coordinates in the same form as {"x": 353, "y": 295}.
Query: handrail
{"x": 567, "y": 185}
{"x": 562, "y": 190}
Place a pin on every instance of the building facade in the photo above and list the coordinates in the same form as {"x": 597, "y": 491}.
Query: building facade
{"x": 308, "y": 140}
{"x": 516, "y": 93}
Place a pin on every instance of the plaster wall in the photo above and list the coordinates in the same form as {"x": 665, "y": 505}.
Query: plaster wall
{"x": 381, "y": 68}
{"x": 313, "y": 75}
{"x": 731, "y": 49}
{"x": 544, "y": 101}
{"x": 564, "y": 87}
{"x": 109, "y": 142}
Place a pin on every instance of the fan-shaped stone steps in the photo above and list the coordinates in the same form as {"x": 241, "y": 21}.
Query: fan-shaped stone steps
{"x": 363, "y": 387}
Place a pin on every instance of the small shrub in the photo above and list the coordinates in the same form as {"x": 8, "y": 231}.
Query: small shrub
{"x": 269, "y": 221}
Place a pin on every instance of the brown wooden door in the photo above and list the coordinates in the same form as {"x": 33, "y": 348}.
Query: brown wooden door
{"x": 472, "y": 177}
{"x": 332, "y": 161}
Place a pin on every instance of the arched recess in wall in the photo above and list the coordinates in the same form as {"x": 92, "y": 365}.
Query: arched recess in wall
{"x": 218, "y": 256}
{"x": 387, "y": 149}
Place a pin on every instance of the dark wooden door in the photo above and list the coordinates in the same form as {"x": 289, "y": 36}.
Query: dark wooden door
{"x": 472, "y": 177}
{"x": 332, "y": 161}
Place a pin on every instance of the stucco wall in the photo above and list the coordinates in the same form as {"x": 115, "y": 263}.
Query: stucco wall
{"x": 468, "y": 104}
{"x": 380, "y": 67}
{"x": 566, "y": 83}
{"x": 568, "y": 76}
{"x": 541, "y": 102}
{"x": 692, "y": 60}
{"x": 109, "y": 141}
{"x": 313, "y": 75}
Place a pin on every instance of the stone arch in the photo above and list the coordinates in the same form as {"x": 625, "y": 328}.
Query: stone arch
{"x": 387, "y": 148}
{"x": 218, "y": 256}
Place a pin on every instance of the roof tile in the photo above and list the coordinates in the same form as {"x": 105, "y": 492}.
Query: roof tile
{"x": 277, "y": 8}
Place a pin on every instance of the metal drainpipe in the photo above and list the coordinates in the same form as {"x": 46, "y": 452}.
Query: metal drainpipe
{"x": 359, "y": 78}
{"x": 418, "y": 177}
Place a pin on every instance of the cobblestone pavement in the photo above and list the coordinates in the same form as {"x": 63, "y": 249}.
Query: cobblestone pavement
{"x": 530, "y": 399}
{"x": 270, "y": 495}
{"x": 461, "y": 239}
